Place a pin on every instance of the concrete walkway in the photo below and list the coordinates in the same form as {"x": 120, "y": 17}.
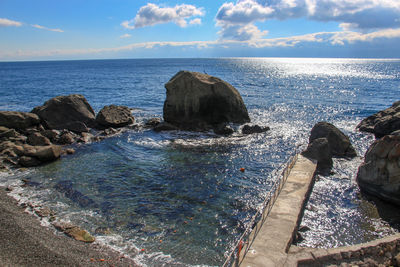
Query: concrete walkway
{"x": 273, "y": 237}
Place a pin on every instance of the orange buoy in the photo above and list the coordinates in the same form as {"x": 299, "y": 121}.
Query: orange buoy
{"x": 241, "y": 169}
{"x": 240, "y": 246}
{"x": 102, "y": 260}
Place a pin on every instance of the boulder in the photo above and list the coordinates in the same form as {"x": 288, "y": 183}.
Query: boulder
{"x": 26, "y": 161}
{"x": 379, "y": 174}
{"x": 339, "y": 142}
{"x": 320, "y": 150}
{"x": 9, "y": 133}
{"x": 153, "y": 122}
{"x": 197, "y": 101}
{"x": 165, "y": 126}
{"x": 114, "y": 116}
{"x": 223, "y": 129}
{"x": 18, "y": 120}
{"x": 74, "y": 231}
{"x": 66, "y": 112}
{"x": 43, "y": 153}
{"x": 36, "y": 139}
{"x": 10, "y": 146}
{"x": 66, "y": 138}
{"x": 382, "y": 123}
{"x": 251, "y": 129}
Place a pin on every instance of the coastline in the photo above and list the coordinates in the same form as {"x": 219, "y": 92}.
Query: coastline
{"x": 24, "y": 242}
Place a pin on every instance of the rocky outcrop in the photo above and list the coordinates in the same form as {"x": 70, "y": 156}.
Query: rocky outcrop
{"x": 379, "y": 174}
{"x": 252, "y": 129}
{"x": 339, "y": 142}
{"x": 327, "y": 141}
{"x": 223, "y": 129}
{"x": 18, "y": 120}
{"x": 197, "y": 101}
{"x": 114, "y": 116}
{"x": 71, "y": 112}
{"x": 383, "y": 123}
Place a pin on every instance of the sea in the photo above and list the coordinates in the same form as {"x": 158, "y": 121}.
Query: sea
{"x": 179, "y": 198}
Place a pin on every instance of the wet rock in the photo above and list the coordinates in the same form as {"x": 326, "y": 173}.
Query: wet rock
{"x": 66, "y": 138}
{"x": 18, "y": 120}
{"x": 165, "y": 126}
{"x": 36, "y": 139}
{"x": 111, "y": 131}
{"x": 85, "y": 138}
{"x": 43, "y": 153}
{"x": 9, "y": 133}
{"x": 52, "y": 135}
{"x": 382, "y": 123}
{"x": 223, "y": 129}
{"x": 74, "y": 231}
{"x": 320, "y": 150}
{"x": 339, "y": 142}
{"x": 379, "y": 174}
{"x": 28, "y": 182}
{"x": 26, "y": 161}
{"x": 251, "y": 129}
{"x": 7, "y": 146}
{"x": 153, "y": 122}
{"x": 196, "y": 101}
{"x": 66, "y": 112}
{"x": 114, "y": 116}
{"x": 103, "y": 231}
{"x": 66, "y": 187}
{"x": 70, "y": 151}
{"x": 44, "y": 212}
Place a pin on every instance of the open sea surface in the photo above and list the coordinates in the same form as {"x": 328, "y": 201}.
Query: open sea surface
{"x": 178, "y": 198}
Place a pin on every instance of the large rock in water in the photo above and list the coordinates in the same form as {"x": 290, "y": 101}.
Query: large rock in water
{"x": 114, "y": 116}
{"x": 197, "y": 101}
{"x": 339, "y": 142}
{"x": 382, "y": 123}
{"x": 379, "y": 175}
{"x": 71, "y": 112}
{"x": 18, "y": 120}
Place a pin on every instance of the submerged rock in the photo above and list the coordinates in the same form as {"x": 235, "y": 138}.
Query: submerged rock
{"x": 165, "y": 126}
{"x": 382, "y": 123}
{"x": 379, "y": 174}
{"x": 223, "y": 129}
{"x": 251, "y": 129}
{"x": 114, "y": 116}
{"x": 197, "y": 101}
{"x": 74, "y": 231}
{"x": 18, "y": 120}
{"x": 66, "y": 187}
{"x": 66, "y": 112}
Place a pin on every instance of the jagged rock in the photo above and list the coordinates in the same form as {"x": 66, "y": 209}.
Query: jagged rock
{"x": 66, "y": 112}
{"x": 74, "y": 232}
{"x": 66, "y": 138}
{"x": 382, "y": 123}
{"x": 10, "y": 146}
{"x": 153, "y": 122}
{"x": 43, "y": 153}
{"x": 9, "y": 133}
{"x": 339, "y": 142}
{"x": 320, "y": 150}
{"x": 18, "y": 120}
{"x": 85, "y": 138}
{"x": 110, "y": 131}
{"x": 379, "y": 174}
{"x": 52, "y": 135}
{"x": 251, "y": 129}
{"x": 223, "y": 129}
{"x": 165, "y": 126}
{"x": 114, "y": 116}
{"x": 197, "y": 101}
{"x": 36, "y": 139}
{"x": 26, "y": 161}
{"x": 44, "y": 212}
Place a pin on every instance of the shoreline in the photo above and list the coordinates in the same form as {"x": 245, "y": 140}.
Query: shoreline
{"x": 25, "y": 242}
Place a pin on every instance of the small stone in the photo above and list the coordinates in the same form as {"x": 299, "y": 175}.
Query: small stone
{"x": 152, "y": 122}
{"x": 70, "y": 151}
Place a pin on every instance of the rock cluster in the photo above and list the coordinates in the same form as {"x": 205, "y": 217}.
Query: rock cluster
{"x": 29, "y": 139}
{"x": 197, "y": 101}
{"x": 327, "y": 141}
{"x": 383, "y": 123}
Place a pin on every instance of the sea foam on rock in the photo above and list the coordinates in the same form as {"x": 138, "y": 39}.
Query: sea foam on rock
{"x": 197, "y": 101}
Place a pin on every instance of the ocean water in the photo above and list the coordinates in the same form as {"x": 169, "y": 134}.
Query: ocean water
{"x": 178, "y": 198}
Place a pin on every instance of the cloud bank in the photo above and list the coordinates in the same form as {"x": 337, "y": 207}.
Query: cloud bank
{"x": 152, "y": 14}
{"x": 9, "y": 23}
{"x": 237, "y": 20}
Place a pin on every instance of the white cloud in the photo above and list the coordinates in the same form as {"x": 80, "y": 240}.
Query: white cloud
{"x": 45, "y": 28}
{"x": 364, "y": 15}
{"x": 196, "y": 21}
{"x": 8, "y": 23}
{"x": 126, "y": 35}
{"x": 152, "y": 14}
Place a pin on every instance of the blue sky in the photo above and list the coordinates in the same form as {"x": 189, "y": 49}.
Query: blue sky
{"x": 89, "y": 29}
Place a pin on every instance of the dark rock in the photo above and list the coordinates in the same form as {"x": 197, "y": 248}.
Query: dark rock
{"x": 36, "y": 139}
{"x": 251, "y": 129}
{"x": 66, "y": 138}
{"x": 28, "y": 182}
{"x": 85, "y": 137}
{"x": 197, "y": 101}
{"x": 110, "y": 131}
{"x": 26, "y": 161}
{"x": 66, "y": 112}
{"x": 382, "y": 123}
{"x": 153, "y": 122}
{"x": 10, "y": 146}
{"x": 114, "y": 116}
{"x": 223, "y": 129}
{"x": 52, "y": 135}
{"x": 379, "y": 174}
{"x": 165, "y": 126}
{"x": 66, "y": 187}
{"x": 43, "y": 153}
{"x": 320, "y": 150}
{"x": 70, "y": 151}
{"x": 9, "y": 133}
{"x": 339, "y": 143}
{"x": 77, "y": 127}
{"x": 18, "y": 120}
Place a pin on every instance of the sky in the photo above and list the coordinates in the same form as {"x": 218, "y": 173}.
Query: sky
{"x": 100, "y": 29}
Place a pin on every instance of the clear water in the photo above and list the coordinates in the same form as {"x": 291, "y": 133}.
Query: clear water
{"x": 180, "y": 195}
